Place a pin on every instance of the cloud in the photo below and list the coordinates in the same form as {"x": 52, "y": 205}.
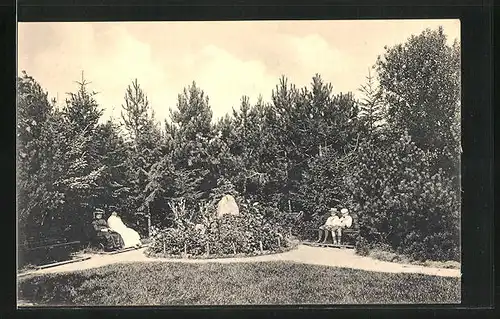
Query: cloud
{"x": 313, "y": 54}
{"x": 225, "y": 78}
{"x": 227, "y": 60}
{"x": 110, "y": 62}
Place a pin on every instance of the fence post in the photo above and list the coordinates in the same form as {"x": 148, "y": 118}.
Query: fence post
{"x": 279, "y": 244}
{"x": 234, "y": 249}
{"x": 261, "y": 249}
{"x": 208, "y": 249}
{"x": 185, "y": 249}
{"x": 164, "y": 247}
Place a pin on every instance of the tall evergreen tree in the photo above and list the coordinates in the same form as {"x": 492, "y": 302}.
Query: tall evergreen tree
{"x": 421, "y": 83}
{"x": 187, "y": 169}
{"x": 59, "y": 179}
{"x": 33, "y": 110}
{"x": 81, "y": 109}
{"x": 245, "y": 141}
{"x": 111, "y": 151}
{"x": 371, "y": 106}
{"x": 135, "y": 113}
{"x": 145, "y": 142}
{"x": 83, "y": 179}
{"x": 330, "y": 127}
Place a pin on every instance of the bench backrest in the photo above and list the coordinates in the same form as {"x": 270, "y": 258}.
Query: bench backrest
{"x": 43, "y": 242}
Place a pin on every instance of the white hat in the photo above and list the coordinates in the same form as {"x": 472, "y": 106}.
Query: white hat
{"x": 344, "y": 211}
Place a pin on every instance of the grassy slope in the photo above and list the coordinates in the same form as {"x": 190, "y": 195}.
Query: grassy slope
{"x": 241, "y": 283}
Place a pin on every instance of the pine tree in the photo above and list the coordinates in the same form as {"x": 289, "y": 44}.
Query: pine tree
{"x": 60, "y": 178}
{"x": 188, "y": 169}
{"x": 33, "y": 110}
{"x": 81, "y": 109}
{"x": 371, "y": 106}
{"x": 193, "y": 116}
{"x": 276, "y": 143}
{"x": 111, "y": 151}
{"x": 82, "y": 180}
{"x": 328, "y": 132}
{"x": 421, "y": 83}
{"x": 244, "y": 145}
{"x": 145, "y": 142}
{"x": 135, "y": 112}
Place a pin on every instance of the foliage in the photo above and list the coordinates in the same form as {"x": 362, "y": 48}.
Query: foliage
{"x": 372, "y": 111}
{"x": 111, "y": 150}
{"x": 59, "y": 181}
{"x": 420, "y": 80}
{"x": 144, "y": 149}
{"x": 224, "y": 236}
{"x": 416, "y": 209}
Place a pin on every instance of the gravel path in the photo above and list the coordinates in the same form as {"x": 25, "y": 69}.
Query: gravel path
{"x": 344, "y": 258}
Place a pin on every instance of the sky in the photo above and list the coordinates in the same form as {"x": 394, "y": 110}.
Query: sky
{"x": 225, "y": 59}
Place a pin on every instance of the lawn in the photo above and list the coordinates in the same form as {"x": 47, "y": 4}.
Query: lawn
{"x": 231, "y": 284}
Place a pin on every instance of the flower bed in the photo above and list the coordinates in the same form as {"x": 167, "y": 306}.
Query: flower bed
{"x": 152, "y": 254}
{"x": 249, "y": 234}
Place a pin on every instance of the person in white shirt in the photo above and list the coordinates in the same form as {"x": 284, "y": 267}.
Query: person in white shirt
{"x": 332, "y": 224}
{"x": 345, "y": 222}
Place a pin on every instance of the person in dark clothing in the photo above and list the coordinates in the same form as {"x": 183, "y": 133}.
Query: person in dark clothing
{"x": 111, "y": 240}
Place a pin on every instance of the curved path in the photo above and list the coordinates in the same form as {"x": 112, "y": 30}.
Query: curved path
{"x": 344, "y": 258}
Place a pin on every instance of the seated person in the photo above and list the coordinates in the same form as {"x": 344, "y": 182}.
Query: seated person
{"x": 110, "y": 239}
{"x": 131, "y": 238}
{"x": 345, "y": 222}
{"x": 332, "y": 224}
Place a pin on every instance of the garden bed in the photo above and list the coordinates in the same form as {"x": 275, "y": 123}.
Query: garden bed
{"x": 152, "y": 254}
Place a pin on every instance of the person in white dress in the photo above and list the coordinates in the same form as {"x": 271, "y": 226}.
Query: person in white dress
{"x": 130, "y": 237}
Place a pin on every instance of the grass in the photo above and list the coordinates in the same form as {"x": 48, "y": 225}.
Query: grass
{"x": 159, "y": 283}
{"x": 385, "y": 255}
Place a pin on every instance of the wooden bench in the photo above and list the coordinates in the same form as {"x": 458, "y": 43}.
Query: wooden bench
{"x": 47, "y": 250}
{"x": 51, "y": 243}
{"x": 349, "y": 236}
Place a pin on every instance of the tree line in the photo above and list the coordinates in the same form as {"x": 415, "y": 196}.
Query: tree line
{"x": 392, "y": 156}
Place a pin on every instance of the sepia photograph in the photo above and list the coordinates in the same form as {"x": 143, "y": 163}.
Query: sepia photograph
{"x": 208, "y": 163}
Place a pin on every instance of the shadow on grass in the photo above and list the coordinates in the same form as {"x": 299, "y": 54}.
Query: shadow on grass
{"x": 233, "y": 284}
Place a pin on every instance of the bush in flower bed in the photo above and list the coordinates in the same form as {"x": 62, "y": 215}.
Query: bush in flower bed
{"x": 226, "y": 236}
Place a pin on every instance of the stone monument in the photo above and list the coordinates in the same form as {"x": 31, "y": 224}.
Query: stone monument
{"x": 227, "y": 206}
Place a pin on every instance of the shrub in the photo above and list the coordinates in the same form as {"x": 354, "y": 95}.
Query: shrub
{"x": 401, "y": 195}
{"x": 224, "y": 236}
